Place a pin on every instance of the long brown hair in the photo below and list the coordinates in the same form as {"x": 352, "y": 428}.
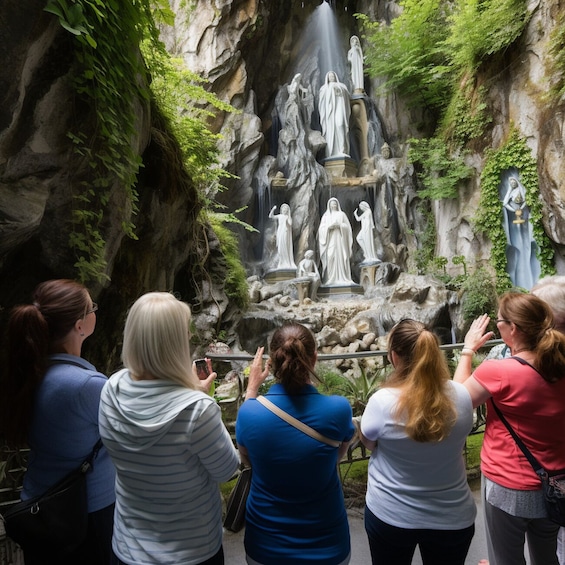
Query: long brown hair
{"x": 534, "y": 319}
{"x": 421, "y": 375}
{"x": 34, "y": 331}
{"x": 293, "y": 353}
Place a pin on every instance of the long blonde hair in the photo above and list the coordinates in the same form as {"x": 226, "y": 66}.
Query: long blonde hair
{"x": 156, "y": 339}
{"x": 424, "y": 404}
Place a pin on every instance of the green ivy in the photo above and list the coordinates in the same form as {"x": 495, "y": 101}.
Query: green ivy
{"x": 109, "y": 78}
{"x": 514, "y": 153}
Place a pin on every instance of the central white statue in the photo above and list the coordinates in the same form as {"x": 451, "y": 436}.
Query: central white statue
{"x": 365, "y": 237}
{"x": 355, "y": 58}
{"x": 284, "y": 237}
{"x": 335, "y": 110}
{"x": 335, "y": 239}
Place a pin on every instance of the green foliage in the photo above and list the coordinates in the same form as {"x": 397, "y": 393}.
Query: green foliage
{"x": 184, "y": 102}
{"x": 425, "y": 253}
{"x": 478, "y": 295}
{"x": 409, "y": 54}
{"x": 235, "y": 284}
{"x": 479, "y": 28}
{"x": 440, "y": 263}
{"x": 112, "y": 78}
{"x": 513, "y": 154}
{"x": 357, "y": 389}
{"x": 467, "y": 115}
{"x": 108, "y": 78}
{"x": 473, "y": 448}
{"x": 429, "y": 55}
{"x": 440, "y": 172}
{"x": 460, "y": 260}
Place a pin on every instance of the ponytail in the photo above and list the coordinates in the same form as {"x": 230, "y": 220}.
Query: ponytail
{"x": 293, "y": 353}
{"x": 424, "y": 405}
{"x": 28, "y": 345}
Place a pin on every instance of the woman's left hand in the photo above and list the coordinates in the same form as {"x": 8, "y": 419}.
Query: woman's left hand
{"x": 206, "y": 384}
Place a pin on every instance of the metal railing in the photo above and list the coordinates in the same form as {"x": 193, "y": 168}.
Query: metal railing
{"x": 356, "y": 451}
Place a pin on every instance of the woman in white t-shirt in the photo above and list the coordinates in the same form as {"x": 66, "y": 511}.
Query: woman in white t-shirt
{"x": 416, "y": 426}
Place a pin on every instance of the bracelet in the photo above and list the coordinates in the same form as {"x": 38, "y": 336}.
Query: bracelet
{"x": 468, "y": 351}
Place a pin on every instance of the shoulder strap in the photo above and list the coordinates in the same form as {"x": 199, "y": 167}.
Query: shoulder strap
{"x": 524, "y": 362}
{"x": 297, "y": 423}
{"x": 533, "y": 461}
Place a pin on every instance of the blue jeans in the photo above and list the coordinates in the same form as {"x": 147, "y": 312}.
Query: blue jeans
{"x": 390, "y": 545}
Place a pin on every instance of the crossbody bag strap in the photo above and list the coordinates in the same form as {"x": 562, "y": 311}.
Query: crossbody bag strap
{"x": 297, "y": 423}
{"x": 533, "y": 461}
{"x": 87, "y": 463}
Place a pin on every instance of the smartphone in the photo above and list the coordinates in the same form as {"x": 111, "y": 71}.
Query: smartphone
{"x": 201, "y": 369}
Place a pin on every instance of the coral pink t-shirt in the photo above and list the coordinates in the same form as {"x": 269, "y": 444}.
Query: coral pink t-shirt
{"x": 536, "y": 411}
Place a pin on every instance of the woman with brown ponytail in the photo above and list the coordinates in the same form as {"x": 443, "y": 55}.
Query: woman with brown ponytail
{"x": 529, "y": 390}
{"x": 416, "y": 425}
{"x": 50, "y": 398}
{"x": 295, "y": 510}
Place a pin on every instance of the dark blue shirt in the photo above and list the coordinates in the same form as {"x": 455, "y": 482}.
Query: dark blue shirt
{"x": 64, "y": 430}
{"x": 295, "y": 510}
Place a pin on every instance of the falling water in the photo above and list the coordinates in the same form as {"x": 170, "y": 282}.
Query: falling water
{"x": 321, "y": 50}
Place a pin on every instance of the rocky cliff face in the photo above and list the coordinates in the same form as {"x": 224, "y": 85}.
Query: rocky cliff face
{"x": 248, "y": 49}
{"x": 40, "y": 174}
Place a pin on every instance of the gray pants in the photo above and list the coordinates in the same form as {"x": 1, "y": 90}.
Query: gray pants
{"x": 506, "y": 535}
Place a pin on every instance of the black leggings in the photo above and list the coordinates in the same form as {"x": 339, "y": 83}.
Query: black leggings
{"x": 96, "y": 549}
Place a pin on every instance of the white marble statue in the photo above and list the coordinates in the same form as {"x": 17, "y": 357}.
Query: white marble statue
{"x": 365, "y": 237}
{"x": 307, "y": 268}
{"x": 284, "y": 237}
{"x": 335, "y": 239}
{"x": 521, "y": 250}
{"x": 335, "y": 110}
{"x": 355, "y": 58}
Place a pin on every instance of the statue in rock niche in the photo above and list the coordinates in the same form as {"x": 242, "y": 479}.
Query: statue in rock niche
{"x": 355, "y": 58}
{"x": 521, "y": 250}
{"x": 365, "y": 237}
{"x": 284, "y": 237}
{"x": 335, "y": 239}
{"x": 307, "y": 268}
{"x": 335, "y": 110}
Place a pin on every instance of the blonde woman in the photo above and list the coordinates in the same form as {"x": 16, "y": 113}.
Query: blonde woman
{"x": 168, "y": 443}
{"x": 416, "y": 425}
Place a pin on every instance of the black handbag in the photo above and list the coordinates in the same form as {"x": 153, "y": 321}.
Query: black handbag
{"x": 235, "y": 511}
{"x": 552, "y": 483}
{"x": 56, "y": 521}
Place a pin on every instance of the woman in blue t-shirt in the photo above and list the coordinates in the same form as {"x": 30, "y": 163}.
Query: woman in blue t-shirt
{"x": 295, "y": 510}
{"x": 51, "y": 397}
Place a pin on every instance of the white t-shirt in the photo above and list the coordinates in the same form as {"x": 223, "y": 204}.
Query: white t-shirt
{"x": 413, "y": 484}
